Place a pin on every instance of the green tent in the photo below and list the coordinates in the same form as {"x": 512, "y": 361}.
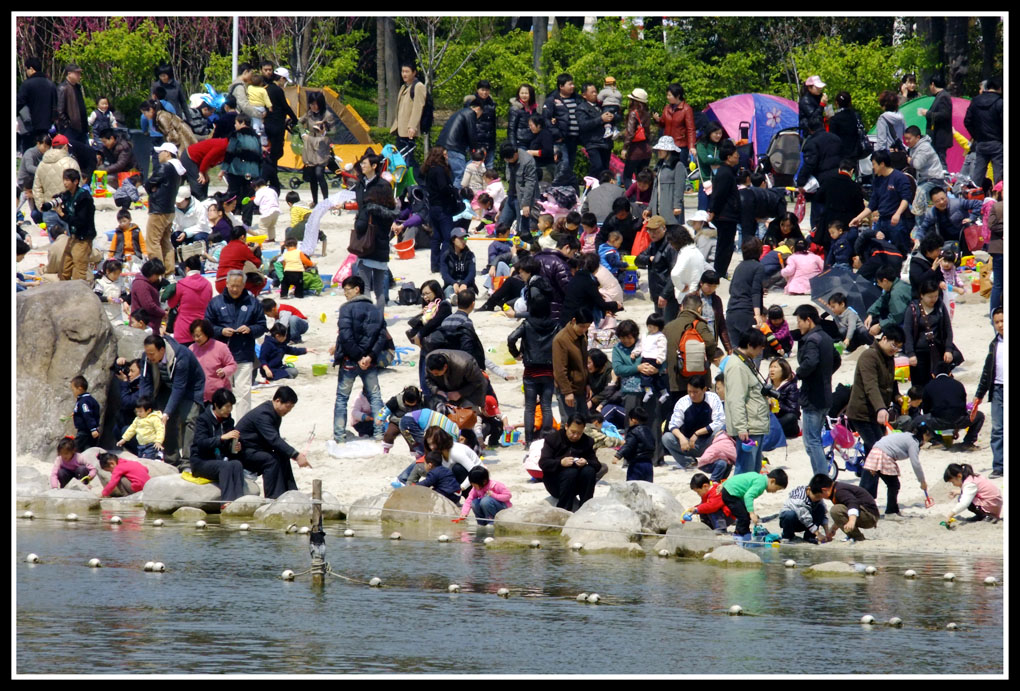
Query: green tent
{"x": 955, "y": 155}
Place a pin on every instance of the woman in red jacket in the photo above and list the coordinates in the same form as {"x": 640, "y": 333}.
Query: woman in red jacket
{"x": 233, "y": 256}
{"x": 677, "y": 121}
{"x": 191, "y": 296}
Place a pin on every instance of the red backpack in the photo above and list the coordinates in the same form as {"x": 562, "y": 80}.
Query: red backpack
{"x": 691, "y": 355}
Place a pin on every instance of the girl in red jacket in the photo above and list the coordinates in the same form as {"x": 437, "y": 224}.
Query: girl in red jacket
{"x": 713, "y": 512}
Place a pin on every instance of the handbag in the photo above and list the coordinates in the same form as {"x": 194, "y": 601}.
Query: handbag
{"x": 362, "y": 244}
{"x": 464, "y": 418}
{"x": 639, "y": 134}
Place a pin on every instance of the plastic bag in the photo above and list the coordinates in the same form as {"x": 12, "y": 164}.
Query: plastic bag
{"x": 345, "y": 270}
{"x": 800, "y": 206}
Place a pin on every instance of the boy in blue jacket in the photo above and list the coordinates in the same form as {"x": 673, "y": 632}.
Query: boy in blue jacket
{"x": 639, "y": 447}
{"x": 609, "y": 253}
{"x": 841, "y": 250}
{"x": 274, "y": 347}
{"x": 86, "y": 415}
{"x": 440, "y": 478}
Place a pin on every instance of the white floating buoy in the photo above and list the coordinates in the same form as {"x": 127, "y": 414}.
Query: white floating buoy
{"x": 32, "y": 558}
{"x": 952, "y": 626}
{"x": 200, "y": 524}
{"x": 116, "y": 520}
{"x": 910, "y": 573}
{"x": 304, "y": 530}
{"x": 28, "y": 515}
{"x": 789, "y": 563}
{"x": 394, "y": 536}
{"x": 159, "y": 567}
{"x": 593, "y": 599}
{"x": 949, "y": 576}
{"x": 375, "y": 582}
{"x": 95, "y": 563}
{"x": 577, "y": 546}
{"x": 348, "y": 533}
{"x": 453, "y": 588}
{"x": 291, "y": 528}
{"x": 71, "y": 517}
{"x": 896, "y": 622}
{"x": 503, "y": 592}
{"x": 736, "y": 610}
{"x": 148, "y": 566}
{"x": 158, "y": 523}
{"x": 244, "y": 526}
{"x": 287, "y": 575}
{"x": 581, "y": 597}
{"x": 444, "y": 538}
{"x": 663, "y": 552}
{"x": 535, "y": 544}
{"x": 870, "y": 570}
{"x": 991, "y": 580}
{"x": 867, "y": 619}
{"x": 489, "y": 540}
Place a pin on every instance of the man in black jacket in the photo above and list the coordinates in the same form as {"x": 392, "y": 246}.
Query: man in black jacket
{"x": 457, "y": 332}
{"x": 659, "y": 258}
{"x": 759, "y": 202}
{"x": 361, "y": 339}
{"x": 72, "y": 120}
{"x": 945, "y": 400}
{"x": 78, "y": 210}
{"x": 852, "y": 507}
{"x": 840, "y": 198}
{"x": 569, "y": 465}
{"x": 984, "y": 122}
{"x": 821, "y": 161}
{"x": 263, "y": 451}
{"x": 162, "y": 186}
{"x": 277, "y": 121}
{"x": 173, "y": 378}
{"x": 459, "y": 136}
{"x": 118, "y": 155}
{"x": 560, "y": 112}
{"x": 817, "y": 360}
{"x": 939, "y": 118}
{"x": 622, "y": 221}
{"x": 725, "y": 207}
{"x": 455, "y": 376}
{"x": 591, "y": 122}
{"x": 993, "y": 381}
{"x": 39, "y": 94}
{"x": 486, "y": 125}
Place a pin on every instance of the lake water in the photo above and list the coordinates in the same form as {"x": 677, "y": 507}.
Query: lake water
{"x": 222, "y": 608}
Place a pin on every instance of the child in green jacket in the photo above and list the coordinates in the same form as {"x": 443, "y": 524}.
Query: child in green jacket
{"x": 740, "y": 491}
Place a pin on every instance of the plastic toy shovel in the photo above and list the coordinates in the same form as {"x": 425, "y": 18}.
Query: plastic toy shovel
{"x": 928, "y": 501}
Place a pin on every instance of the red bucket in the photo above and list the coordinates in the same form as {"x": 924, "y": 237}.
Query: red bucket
{"x": 405, "y": 249}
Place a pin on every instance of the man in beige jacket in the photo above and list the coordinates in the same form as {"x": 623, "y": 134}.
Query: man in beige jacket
{"x": 410, "y": 102}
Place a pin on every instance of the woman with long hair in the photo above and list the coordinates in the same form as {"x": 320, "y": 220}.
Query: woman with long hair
{"x": 522, "y": 107}
{"x": 434, "y": 309}
{"x": 636, "y": 135}
{"x": 708, "y": 158}
{"x": 443, "y": 201}
{"x": 317, "y": 154}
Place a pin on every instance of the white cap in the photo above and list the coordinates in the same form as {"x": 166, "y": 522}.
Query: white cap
{"x": 184, "y": 193}
{"x": 815, "y": 80}
{"x": 167, "y": 146}
{"x": 283, "y": 72}
{"x": 699, "y": 215}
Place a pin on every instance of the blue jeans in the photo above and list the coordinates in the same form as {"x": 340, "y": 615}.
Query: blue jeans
{"x": 53, "y": 221}
{"x": 719, "y": 470}
{"x": 458, "y": 162}
{"x": 296, "y": 327}
{"x": 811, "y": 422}
{"x": 501, "y": 270}
{"x": 580, "y": 406}
{"x": 486, "y": 509}
{"x": 490, "y": 154}
{"x": 748, "y": 461}
{"x": 442, "y": 226}
{"x": 685, "y": 458}
{"x": 413, "y": 435}
{"x": 702, "y": 197}
{"x": 997, "y": 394}
{"x": 997, "y": 282}
{"x": 511, "y": 212}
{"x": 542, "y": 389}
{"x": 344, "y": 385}
{"x": 567, "y": 150}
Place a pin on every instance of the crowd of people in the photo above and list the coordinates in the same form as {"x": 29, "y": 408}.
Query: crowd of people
{"x": 688, "y": 388}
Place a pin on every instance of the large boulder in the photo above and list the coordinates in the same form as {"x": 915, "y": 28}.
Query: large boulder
{"x": 296, "y": 507}
{"x": 61, "y": 502}
{"x": 604, "y": 525}
{"x": 415, "y": 503}
{"x": 155, "y": 468}
{"x": 694, "y": 539}
{"x": 522, "y": 520}
{"x": 368, "y": 508}
{"x": 655, "y": 506}
{"x": 245, "y": 506}
{"x": 831, "y": 568}
{"x": 61, "y": 331}
{"x": 167, "y": 493}
{"x": 732, "y": 555}
{"x": 30, "y": 482}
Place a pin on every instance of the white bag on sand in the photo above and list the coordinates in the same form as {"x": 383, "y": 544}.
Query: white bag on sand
{"x": 361, "y": 448}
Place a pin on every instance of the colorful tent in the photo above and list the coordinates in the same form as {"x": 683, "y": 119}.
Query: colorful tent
{"x": 350, "y": 138}
{"x": 955, "y": 155}
{"x": 766, "y": 115}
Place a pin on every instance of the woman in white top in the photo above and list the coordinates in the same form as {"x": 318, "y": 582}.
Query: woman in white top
{"x": 458, "y": 457}
{"x": 689, "y": 265}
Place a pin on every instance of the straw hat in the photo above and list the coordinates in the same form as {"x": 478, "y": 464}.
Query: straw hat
{"x": 639, "y": 95}
{"x": 666, "y": 143}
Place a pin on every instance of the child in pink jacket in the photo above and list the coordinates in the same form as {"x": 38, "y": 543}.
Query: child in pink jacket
{"x": 800, "y": 268}
{"x": 487, "y": 497}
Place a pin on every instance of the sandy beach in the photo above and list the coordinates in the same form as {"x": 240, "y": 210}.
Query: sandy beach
{"x": 351, "y": 479}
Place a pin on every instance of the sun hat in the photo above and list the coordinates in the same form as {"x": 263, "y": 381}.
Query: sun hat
{"x": 168, "y": 147}
{"x": 815, "y": 80}
{"x": 666, "y": 143}
{"x": 639, "y": 95}
{"x": 699, "y": 215}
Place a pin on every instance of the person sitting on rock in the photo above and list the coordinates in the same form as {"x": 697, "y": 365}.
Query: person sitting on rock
{"x": 69, "y": 465}
{"x": 569, "y": 465}
{"x": 263, "y": 451}
{"x": 217, "y": 447}
{"x": 126, "y": 476}
{"x": 440, "y": 478}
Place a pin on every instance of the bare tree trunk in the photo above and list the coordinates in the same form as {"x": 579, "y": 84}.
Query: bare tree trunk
{"x": 393, "y": 79}
{"x": 989, "y": 39}
{"x": 539, "y": 31}
{"x": 380, "y": 70}
{"x": 957, "y": 54}
{"x": 306, "y": 50}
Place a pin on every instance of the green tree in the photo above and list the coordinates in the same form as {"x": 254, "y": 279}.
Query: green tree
{"x": 117, "y": 63}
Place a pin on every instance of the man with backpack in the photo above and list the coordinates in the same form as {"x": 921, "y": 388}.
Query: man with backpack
{"x": 689, "y": 347}
{"x": 414, "y": 113}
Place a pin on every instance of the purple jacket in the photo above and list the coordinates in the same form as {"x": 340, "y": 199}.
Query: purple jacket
{"x": 556, "y": 272}
{"x": 145, "y": 295}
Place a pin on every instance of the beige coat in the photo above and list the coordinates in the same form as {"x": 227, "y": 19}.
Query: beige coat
{"x": 408, "y": 109}
{"x": 49, "y": 176}
{"x": 174, "y": 130}
{"x": 746, "y": 408}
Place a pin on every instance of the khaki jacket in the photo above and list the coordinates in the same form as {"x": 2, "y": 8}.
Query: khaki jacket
{"x": 175, "y": 131}
{"x": 409, "y": 109}
{"x": 674, "y": 331}
{"x": 570, "y": 362}
{"x": 49, "y": 176}
{"x": 746, "y": 407}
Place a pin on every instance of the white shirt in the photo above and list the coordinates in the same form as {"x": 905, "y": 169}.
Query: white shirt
{"x": 463, "y": 455}
{"x": 676, "y": 421}
{"x": 267, "y": 200}
{"x": 687, "y": 270}
{"x": 652, "y": 346}
{"x": 1000, "y": 379}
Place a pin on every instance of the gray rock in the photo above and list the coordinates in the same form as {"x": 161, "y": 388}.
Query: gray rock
{"x": 830, "y": 568}
{"x": 61, "y": 502}
{"x": 167, "y": 493}
{"x": 61, "y": 332}
{"x": 513, "y": 521}
{"x": 407, "y": 504}
{"x": 733, "y": 555}
{"x": 189, "y": 513}
{"x": 30, "y": 482}
{"x": 245, "y": 506}
{"x": 296, "y": 507}
{"x": 655, "y": 506}
{"x": 368, "y": 508}
{"x": 604, "y": 525}
{"x": 121, "y": 504}
{"x": 693, "y": 539}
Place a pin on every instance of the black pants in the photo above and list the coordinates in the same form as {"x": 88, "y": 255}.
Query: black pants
{"x": 568, "y": 483}
{"x": 198, "y": 191}
{"x": 631, "y": 167}
{"x": 292, "y": 278}
{"x": 82, "y": 152}
{"x": 275, "y": 132}
{"x": 598, "y": 160}
{"x": 228, "y": 474}
{"x": 973, "y": 428}
{"x": 869, "y": 483}
{"x": 64, "y": 475}
{"x": 277, "y": 475}
{"x": 241, "y": 186}
{"x": 315, "y": 176}
{"x": 870, "y": 433}
{"x": 739, "y": 511}
{"x": 789, "y": 423}
{"x": 507, "y": 293}
{"x": 725, "y": 242}
{"x": 83, "y": 440}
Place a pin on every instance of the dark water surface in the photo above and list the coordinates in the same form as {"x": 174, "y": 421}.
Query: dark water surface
{"x": 222, "y": 608}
